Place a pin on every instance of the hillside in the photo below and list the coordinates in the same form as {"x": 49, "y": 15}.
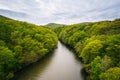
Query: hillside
{"x": 98, "y": 45}
{"x": 22, "y": 44}
{"x": 53, "y": 25}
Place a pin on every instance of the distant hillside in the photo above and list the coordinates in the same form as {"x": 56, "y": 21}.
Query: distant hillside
{"x": 53, "y": 25}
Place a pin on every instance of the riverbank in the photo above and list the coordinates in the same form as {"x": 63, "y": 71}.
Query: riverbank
{"x": 97, "y": 44}
{"x": 62, "y": 64}
{"x": 22, "y": 44}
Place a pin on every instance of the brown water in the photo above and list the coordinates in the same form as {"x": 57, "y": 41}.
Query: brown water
{"x": 60, "y": 65}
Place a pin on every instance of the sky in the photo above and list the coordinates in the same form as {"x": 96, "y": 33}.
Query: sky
{"x": 60, "y": 11}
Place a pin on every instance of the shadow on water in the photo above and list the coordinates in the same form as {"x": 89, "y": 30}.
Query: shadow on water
{"x": 61, "y": 64}
{"x": 36, "y": 68}
{"x": 84, "y": 74}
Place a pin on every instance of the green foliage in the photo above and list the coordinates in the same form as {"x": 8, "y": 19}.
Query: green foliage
{"x": 98, "y": 44}
{"x": 91, "y": 50}
{"x": 10, "y": 75}
{"x": 77, "y": 36}
{"x": 96, "y": 68}
{"x": 57, "y": 28}
{"x": 99, "y": 65}
{"x": 21, "y": 44}
{"x": 6, "y": 57}
{"x": 7, "y": 62}
{"x": 113, "y": 47}
{"x": 111, "y": 74}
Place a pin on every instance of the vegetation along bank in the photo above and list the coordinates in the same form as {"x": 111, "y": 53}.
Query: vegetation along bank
{"x": 21, "y": 44}
{"x": 97, "y": 44}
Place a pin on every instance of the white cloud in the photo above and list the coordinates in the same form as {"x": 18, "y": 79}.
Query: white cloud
{"x": 63, "y": 11}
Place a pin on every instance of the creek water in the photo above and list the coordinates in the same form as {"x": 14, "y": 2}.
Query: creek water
{"x": 62, "y": 64}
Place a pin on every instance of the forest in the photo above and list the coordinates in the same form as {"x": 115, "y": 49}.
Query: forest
{"x": 97, "y": 44}
{"x": 22, "y": 44}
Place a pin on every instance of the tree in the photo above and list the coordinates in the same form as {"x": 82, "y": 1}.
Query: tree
{"x": 99, "y": 65}
{"x": 7, "y": 61}
{"x": 111, "y": 74}
{"x": 91, "y": 50}
{"x": 96, "y": 67}
{"x": 21, "y": 44}
{"x": 113, "y": 48}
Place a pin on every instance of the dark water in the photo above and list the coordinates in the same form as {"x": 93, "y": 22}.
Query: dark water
{"x": 60, "y": 65}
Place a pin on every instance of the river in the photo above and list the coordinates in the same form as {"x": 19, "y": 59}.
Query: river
{"x": 62, "y": 64}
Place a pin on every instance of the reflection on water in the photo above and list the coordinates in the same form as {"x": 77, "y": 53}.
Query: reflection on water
{"x": 60, "y": 65}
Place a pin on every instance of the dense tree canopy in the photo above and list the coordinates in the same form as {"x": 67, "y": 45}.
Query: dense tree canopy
{"x": 98, "y": 44}
{"x": 21, "y": 44}
{"x": 111, "y": 74}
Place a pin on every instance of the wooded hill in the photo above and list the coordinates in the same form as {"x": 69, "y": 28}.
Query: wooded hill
{"x": 21, "y": 44}
{"x": 97, "y": 44}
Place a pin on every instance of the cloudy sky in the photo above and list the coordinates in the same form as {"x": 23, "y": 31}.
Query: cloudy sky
{"x": 60, "y": 11}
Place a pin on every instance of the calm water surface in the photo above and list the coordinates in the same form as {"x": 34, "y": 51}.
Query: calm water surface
{"x": 60, "y": 65}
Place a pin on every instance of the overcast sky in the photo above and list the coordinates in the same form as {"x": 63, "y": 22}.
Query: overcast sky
{"x": 60, "y": 11}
